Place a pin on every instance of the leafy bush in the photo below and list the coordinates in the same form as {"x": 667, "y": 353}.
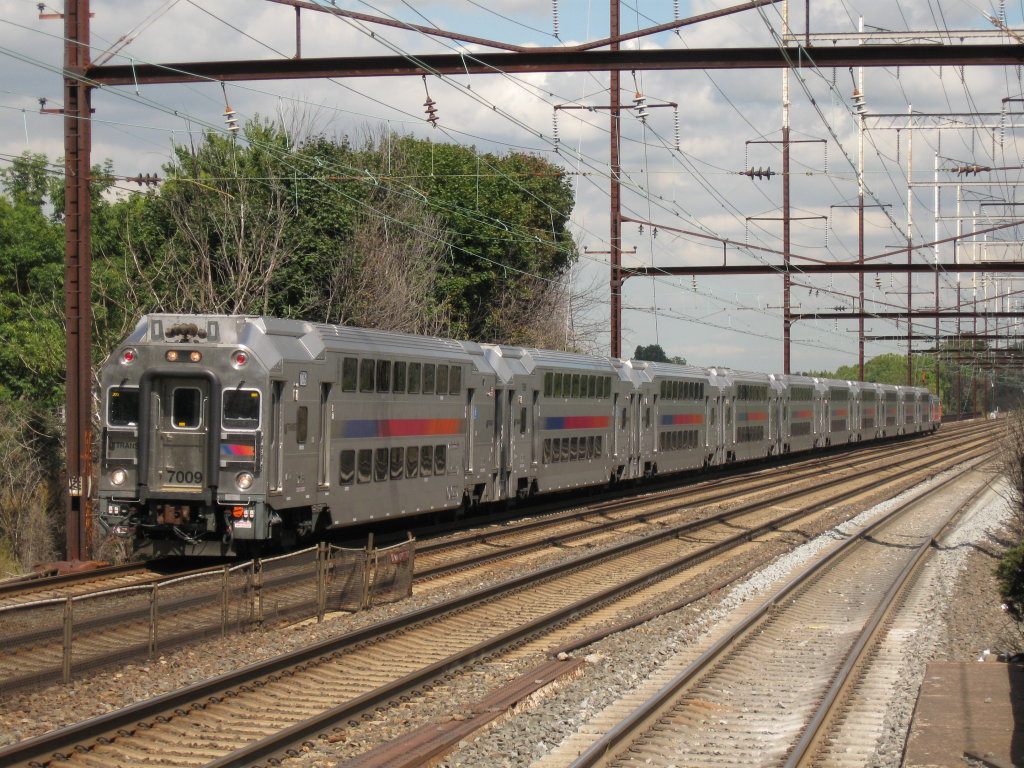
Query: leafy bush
{"x": 1010, "y": 574}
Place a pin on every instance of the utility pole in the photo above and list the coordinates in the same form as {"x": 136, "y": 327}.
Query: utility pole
{"x": 615, "y": 190}
{"x": 787, "y": 320}
{"x": 78, "y": 279}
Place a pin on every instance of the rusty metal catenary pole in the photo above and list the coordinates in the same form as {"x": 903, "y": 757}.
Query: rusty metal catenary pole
{"x": 615, "y": 192}
{"x": 77, "y": 278}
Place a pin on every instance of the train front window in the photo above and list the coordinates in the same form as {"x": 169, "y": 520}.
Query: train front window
{"x": 187, "y": 408}
{"x": 123, "y": 409}
{"x": 241, "y": 409}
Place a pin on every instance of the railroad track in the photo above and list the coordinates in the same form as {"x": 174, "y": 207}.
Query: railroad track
{"x": 611, "y": 518}
{"x": 17, "y": 591}
{"x": 118, "y": 624}
{"x": 786, "y": 685}
{"x": 255, "y": 713}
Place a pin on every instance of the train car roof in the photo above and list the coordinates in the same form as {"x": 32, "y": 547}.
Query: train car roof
{"x": 274, "y": 339}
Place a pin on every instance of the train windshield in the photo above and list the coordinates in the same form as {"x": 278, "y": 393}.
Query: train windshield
{"x": 123, "y": 409}
{"x": 186, "y": 404}
{"x": 241, "y": 409}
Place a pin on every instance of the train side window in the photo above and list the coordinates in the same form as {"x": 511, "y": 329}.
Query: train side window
{"x": 575, "y": 385}
{"x": 366, "y": 375}
{"x": 442, "y": 379}
{"x": 414, "y": 378}
{"x": 397, "y": 462}
{"x": 549, "y": 383}
{"x": 383, "y": 375}
{"x": 380, "y": 464}
{"x": 429, "y": 381}
{"x": 664, "y": 384}
{"x": 123, "y": 407}
{"x": 301, "y": 424}
{"x": 187, "y": 408}
{"x": 455, "y": 380}
{"x": 349, "y": 374}
{"x": 347, "y": 467}
{"x": 590, "y": 447}
{"x": 647, "y": 417}
{"x": 547, "y": 451}
{"x": 573, "y": 449}
{"x": 625, "y": 419}
{"x": 426, "y": 460}
{"x": 522, "y": 421}
{"x": 365, "y": 465}
{"x": 412, "y": 461}
{"x": 597, "y": 446}
{"x": 607, "y": 386}
{"x": 241, "y": 409}
{"x": 440, "y": 459}
{"x": 399, "y": 377}
{"x": 558, "y": 385}
{"x": 592, "y": 386}
{"x": 565, "y": 449}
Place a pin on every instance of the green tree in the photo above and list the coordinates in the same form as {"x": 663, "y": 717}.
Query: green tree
{"x": 655, "y": 354}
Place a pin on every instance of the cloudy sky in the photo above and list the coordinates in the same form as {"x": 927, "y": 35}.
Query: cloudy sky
{"x": 683, "y": 165}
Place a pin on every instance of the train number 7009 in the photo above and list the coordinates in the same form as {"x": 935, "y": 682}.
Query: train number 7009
{"x": 184, "y": 477}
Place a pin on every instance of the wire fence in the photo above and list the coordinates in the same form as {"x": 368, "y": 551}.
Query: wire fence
{"x": 57, "y": 638}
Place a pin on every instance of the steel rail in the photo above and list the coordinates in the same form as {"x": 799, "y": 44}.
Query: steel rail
{"x": 317, "y": 725}
{"x": 196, "y": 696}
{"x": 605, "y": 748}
{"x": 142, "y": 613}
{"x": 839, "y": 691}
{"x": 37, "y": 583}
{"x": 728, "y": 490}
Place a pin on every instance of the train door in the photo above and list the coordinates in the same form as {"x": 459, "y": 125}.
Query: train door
{"x": 470, "y": 429}
{"x": 275, "y": 440}
{"x": 521, "y": 441}
{"x": 615, "y": 425}
{"x": 729, "y": 427}
{"x": 502, "y": 443}
{"x": 636, "y": 424}
{"x": 534, "y": 436}
{"x": 326, "y": 419}
{"x": 182, "y": 419}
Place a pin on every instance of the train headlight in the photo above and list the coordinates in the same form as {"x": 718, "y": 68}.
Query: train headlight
{"x": 244, "y": 480}
{"x": 118, "y": 477}
{"x": 195, "y": 357}
{"x": 172, "y": 356}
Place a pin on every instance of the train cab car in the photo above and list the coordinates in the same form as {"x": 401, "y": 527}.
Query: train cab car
{"x": 184, "y": 413}
{"x": 680, "y": 406}
{"x": 222, "y": 434}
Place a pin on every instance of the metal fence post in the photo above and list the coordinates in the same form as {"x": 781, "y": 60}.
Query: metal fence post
{"x": 224, "y": 602}
{"x": 154, "y": 616}
{"x": 69, "y": 611}
{"x": 367, "y": 574}
{"x": 321, "y": 580}
{"x": 257, "y": 580}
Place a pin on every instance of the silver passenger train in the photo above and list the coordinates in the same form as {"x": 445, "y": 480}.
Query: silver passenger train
{"x": 226, "y": 434}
